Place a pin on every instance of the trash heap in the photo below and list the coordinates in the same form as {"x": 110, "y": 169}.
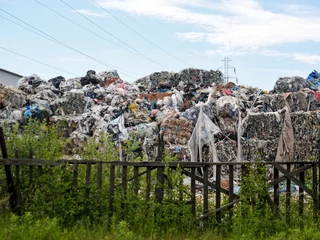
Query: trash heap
{"x": 193, "y": 110}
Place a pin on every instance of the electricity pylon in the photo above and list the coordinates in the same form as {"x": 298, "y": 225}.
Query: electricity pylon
{"x": 226, "y": 68}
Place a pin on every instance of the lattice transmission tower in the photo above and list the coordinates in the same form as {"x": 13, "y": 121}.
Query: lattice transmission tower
{"x": 226, "y": 69}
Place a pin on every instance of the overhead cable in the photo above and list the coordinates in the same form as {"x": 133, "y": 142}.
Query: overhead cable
{"x": 112, "y": 35}
{"x": 55, "y": 40}
{"x": 34, "y": 60}
{"x": 140, "y": 35}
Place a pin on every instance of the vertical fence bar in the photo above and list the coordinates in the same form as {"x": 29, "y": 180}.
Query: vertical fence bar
{"x": 244, "y": 172}
{"x": 18, "y": 185}
{"x": 276, "y": 188}
{"x": 7, "y": 168}
{"x": 31, "y": 172}
{"x": 288, "y": 196}
{"x": 75, "y": 174}
{"x": 193, "y": 191}
{"x": 230, "y": 189}
{"x": 99, "y": 177}
{"x": 315, "y": 190}
{"x": 124, "y": 188}
{"x": 148, "y": 179}
{"x": 205, "y": 190}
{"x": 40, "y": 172}
{"x": 136, "y": 179}
{"x": 160, "y": 147}
{"x": 180, "y": 190}
{"x": 99, "y": 185}
{"x": 87, "y": 191}
{"x": 160, "y": 185}
{"x": 111, "y": 196}
{"x": 301, "y": 197}
{"x": 218, "y": 192}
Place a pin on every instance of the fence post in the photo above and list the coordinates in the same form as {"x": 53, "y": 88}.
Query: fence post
{"x": 136, "y": 180}
{"x": 31, "y": 172}
{"x": 276, "y": 188}
{"x": 205, "y": 190}
{"x": 124, "y": 187}
{"x": 7, "y": 168}
{"x": 18, "y": 184}
{"x": 288, "y": 196}
{"x": 160, "y": 147}
{"x": 301, "y": 197}
{"x": 230, "y": 189}
{"x": 87, "y": 191}
{"x": 99, "y": 176}
{"x": 160, "y": 184}
{"x": 148, "y": 179}
{"x": 315, "y": 190}
{"x": 193, "y": 191}
{"x": 218, "y": 192}
{"x": 112, "y": 175}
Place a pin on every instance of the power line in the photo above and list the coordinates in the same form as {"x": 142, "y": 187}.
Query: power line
{"x": 140, "y": 35}
{"x": 9, "y": 20}
{"x": 77, "y": 24}
{"x": 59, "y": 42}
{"x": 153, "y": 32}
{"x": 165, "y": 28}
{"x": 34, "y": 60}
{"x": 141, "y": 54}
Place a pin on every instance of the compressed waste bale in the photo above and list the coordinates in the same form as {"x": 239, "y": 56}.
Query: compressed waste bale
{"x": 192, "y": 113}
{"x": 227, "y": 106}
{"x": 57, "y": 81}
{"x": 306, "y": 129}
{"x": 263, "y": 126}
{"x": 259, "y": 150}
{"x": 164, "y": 81}
{"x": 176, "y": 131}
{"x": 11, "y": 97}
{"x": 29, "y": 84}
{"x": 90, "y": 78}
{"x": 226, "y": 150}
{"x": 290, "y": 84}
{"x": 106, "y": 75}
{"x": 72, "y": 83}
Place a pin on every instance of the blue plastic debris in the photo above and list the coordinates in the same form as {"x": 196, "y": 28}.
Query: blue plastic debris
{"x": 313, "y": 75}
{"x": 235, "y": 88}
{"x": 32, "y": 111}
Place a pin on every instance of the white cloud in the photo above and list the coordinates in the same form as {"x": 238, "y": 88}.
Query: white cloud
{"x": 280, "y": 71}
{"x": 306, "y": 58}
{"x": 92, "y": 13}
{"x": 234, "y": 27}
{"x": 301, "y": 57}
{"x": 233, "y": 23}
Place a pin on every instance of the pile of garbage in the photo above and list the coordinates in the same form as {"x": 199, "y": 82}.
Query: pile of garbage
{"x": 200, "y": 117}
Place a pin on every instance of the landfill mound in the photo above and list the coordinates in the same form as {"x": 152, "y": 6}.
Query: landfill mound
{"x": 199, "y": 117}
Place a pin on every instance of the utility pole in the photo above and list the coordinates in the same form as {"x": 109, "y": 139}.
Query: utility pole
{"x": 226, "y": 67}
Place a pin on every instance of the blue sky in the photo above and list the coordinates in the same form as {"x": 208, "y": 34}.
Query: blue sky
{"x": 265, "y": 39}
